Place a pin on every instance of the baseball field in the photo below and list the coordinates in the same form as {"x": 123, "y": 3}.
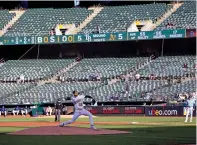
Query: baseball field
{"x": 137, "y": 130}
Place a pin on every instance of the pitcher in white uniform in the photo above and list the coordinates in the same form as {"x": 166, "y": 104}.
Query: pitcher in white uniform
{"x": 77, "y": 100}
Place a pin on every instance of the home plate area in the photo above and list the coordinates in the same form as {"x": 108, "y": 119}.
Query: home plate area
{"x": 52, "y": 130}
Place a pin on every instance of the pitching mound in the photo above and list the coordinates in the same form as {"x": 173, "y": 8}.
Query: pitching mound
{"x": 52, "y": 130}
{"x": 63, "y": 116}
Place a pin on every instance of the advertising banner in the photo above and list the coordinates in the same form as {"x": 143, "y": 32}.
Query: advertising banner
{"x": 162, "y": 111}
{"x": 115, "y": 110}
{"x": 133, "y": 110}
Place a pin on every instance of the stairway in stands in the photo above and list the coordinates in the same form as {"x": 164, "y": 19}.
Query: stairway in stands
{"x": 96, "y": 11}
{"x": 55, "y": 76}
{"x": 165, "y": 16}
{"x": 18, "y": 15}
{"x": 141, "y": 66}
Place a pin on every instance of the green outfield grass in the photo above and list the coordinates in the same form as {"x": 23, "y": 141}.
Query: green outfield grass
{"x": 103, "y": 119}
{"x": 172, "y": 131}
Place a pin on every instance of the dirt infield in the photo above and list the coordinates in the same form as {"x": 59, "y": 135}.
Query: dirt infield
{"x": 63, "y": 116}
{"x": 53, "y": 130}
{"x": 36, "y": 124}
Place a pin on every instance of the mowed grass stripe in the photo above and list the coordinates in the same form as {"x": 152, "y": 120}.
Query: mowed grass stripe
{"x": 102, "y": 119}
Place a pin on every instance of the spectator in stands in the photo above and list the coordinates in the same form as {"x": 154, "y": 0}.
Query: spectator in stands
{"x": 176, "y": 96}
{"x": 142, "y": 96}
{"x": 111, "y": 98}
{"x": 185, "y": 65}
{"x": 127, "y": 87}
{"x": 24, "y": 111}
{"x": 98, "y": 29}
{"x": 195, "y": 66}
{"x": 49, "y": 111}
{"x": 98, "y": 77}
{"x": 9, "y": 27}
{"x": 61, "y": 78}
{"x": 117, "y": 97}
{"x": 137, "y": 77}
{"x": 22, "y": 78}
{"x": 147, "y": 96}
{"x": 16, "y": 110}
{"x": 152, "y": 77}
{"x": 64, "y": 110}
{"x": 3, "y": 110}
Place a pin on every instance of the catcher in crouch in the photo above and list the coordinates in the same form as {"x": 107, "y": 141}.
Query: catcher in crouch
{"x": 77, "y": 100}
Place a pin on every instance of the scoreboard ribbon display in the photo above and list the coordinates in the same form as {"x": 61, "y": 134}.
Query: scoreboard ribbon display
{"x": 115, "y": 110}
{"x": 105, "y": 37}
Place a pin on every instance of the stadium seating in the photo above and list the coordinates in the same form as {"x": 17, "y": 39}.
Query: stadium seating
{"x": 5, "y": 17}
{"x": 170, "y": 92}
{"x": 32, "y": 69}
{"x": 9, "y": 89}
{"x": 110, "y": 19}
{"x": 104, "y": 93}
{"x": 103, "y": 67}
{"x": 41, "y": 21}
{"x": 184, "y": 17}
{"x": 107, "y": 68}
{"x": 169, "y": 65}
{"x": 119, "y": 18}
{"x": 51, "y": 92}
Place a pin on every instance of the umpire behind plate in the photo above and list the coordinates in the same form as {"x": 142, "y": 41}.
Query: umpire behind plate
{"x": 58, "y": 109}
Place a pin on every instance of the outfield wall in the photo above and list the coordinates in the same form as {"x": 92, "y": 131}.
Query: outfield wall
{"x": 139, "y": 110}
{"x": 120, "y": 110}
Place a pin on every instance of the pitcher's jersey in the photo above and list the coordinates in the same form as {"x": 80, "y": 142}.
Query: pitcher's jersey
{"x": 78, "y": 102}
{"x": 190, "y": 103}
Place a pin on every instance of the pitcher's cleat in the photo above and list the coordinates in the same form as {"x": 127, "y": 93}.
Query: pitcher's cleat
{"x": 93, "y": 127}
{"x": 61, "y": 125}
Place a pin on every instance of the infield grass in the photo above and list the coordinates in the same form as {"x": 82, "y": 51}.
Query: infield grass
{"x": 172, "y": 131}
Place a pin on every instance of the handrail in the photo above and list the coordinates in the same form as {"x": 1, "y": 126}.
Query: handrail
{"x": 2, "y": 60}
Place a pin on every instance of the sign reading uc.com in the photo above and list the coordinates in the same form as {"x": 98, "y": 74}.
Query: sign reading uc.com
{"x": 162, "y": 111}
